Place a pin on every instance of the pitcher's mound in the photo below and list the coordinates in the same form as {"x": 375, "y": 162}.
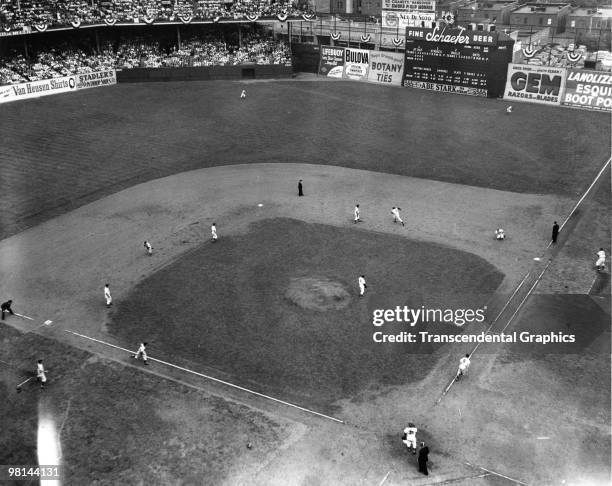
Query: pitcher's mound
{"x": 317, "y": 294}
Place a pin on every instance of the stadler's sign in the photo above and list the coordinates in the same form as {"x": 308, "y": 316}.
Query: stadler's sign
{"x": 447, "y": 35}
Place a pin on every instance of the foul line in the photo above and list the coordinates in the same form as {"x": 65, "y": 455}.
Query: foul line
{"x": 25, "y": 317}
{"x": 582, "y": 198}
{"x": 213, "y": 379}
{"x": 498, "y": 474}
{"x": 384, "y": 479}
{"x": 486, "y": 332}
{"x": 527, "y": 296}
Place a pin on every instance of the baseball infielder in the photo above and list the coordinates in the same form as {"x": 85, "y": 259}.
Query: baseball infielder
{"x": 141, "y": 352}
{"x": 499, "y": 234}
{"x": 464, "y": 364}
{"x": 396, "y": 215}
{"x": 600, "y": 264}
{"x": 148, "y": 248}
{"x": 107, "y": 296}
{"x": 362, "y": 285}
{"x": 243, "y": 94}
{"x": 357, "y": 214}
{"x": 410, "y": 437}
{"x": 40, "y": 373}
{"x": 213, "y": 230}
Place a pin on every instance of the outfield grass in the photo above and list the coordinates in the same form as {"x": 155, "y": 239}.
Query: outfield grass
{"x": 60, "y": 152}
{"x": 224, "y": 307}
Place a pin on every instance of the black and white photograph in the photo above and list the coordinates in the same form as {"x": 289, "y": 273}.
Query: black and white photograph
{"x": 305, "y": 242}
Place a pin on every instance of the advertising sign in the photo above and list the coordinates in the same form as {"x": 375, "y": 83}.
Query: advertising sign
{"x": 588, "y": 89}
{"x": 535, "y": 84}
{"x": 356, "y": 64}
{"x": 386, "y": 67}
{"x": 332, "y": 61}
{"x": 392, "y": 19}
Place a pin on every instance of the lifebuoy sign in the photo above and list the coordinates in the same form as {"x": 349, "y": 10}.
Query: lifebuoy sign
{"x": 535, "y": 84}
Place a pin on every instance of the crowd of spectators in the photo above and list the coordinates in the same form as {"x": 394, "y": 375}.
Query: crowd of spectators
{"x": 25, "y": 14}
{"x": 142, "y": 52}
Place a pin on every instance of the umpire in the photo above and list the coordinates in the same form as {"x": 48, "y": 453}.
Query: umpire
{"x": 6, "y": 307}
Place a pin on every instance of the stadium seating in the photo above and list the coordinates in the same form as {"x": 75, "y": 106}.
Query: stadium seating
{"x": 142, "y": 52}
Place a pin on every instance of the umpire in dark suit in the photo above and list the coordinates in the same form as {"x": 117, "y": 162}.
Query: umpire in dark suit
{"x": 6, "y": 307}
{"x": 423, "y": 458}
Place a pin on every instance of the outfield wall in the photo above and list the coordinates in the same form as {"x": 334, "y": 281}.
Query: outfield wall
{"x": 242, "y": 71}
{"x": 64, "y": 84}
{"x": 546, "y": 85}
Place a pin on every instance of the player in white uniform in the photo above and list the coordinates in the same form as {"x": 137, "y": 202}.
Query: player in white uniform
{"x": 357, "y": 214}
{"x": 464, "y": 364}
{"x": 362, "y": 285}
{"x": 107, "y": 296}
{"x": 499, "y": 234}
{"x": 141, "y": 352}
{"x": 148, "y": 248}
{"x": 396, "y": 215}
{"x": 213, "y": 230}
{"x": 409, "y": 437}
{"x": 600, "y": 264}
{"x": 243, "y": 94}
{"x": 40, "y": 373}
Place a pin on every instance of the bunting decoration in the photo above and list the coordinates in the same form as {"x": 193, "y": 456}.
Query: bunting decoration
{"x": 76, "y": 23}
{"x": 366, "y": 37}
{"x": 252, "y": 17}
{"x": 40, "y": 27}
{"x": 529, "y": 52}
{"x": 574, "y": 57}
{"x": 335, "y": 35}
{"x": 282, "y": 16}
{"x": 397, "y": 41}
{"x": 186, "y": 19}
{"x": 110, "y": 21}
{"x": 308, "y": 16}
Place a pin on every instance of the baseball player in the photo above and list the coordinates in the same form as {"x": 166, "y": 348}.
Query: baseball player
{"x": 40, "y": 373}
{"x": 141, "y": 352}
{"x": 409, "y": 437}
{"x": 464, "y": 364}
{"x": 107, "y": 296}
{"x": 243, "y": 94}
{"x": 396, "y": 215}
{"x": 357, "y": 214}
{"x": 499, "y": 234}
{"x": 148, "y": 248}
{"x": 213, "y": 230}
{"x": 6, "y": 307}
{"x": 362, "y": 285}
{"x": 600, "y": 264}
{"x": 509, "y": 110}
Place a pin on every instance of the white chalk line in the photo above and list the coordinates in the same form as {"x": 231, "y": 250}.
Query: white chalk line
{"x": 25, "y": 317}
{"x": 582, "y": 198}
{"x": 526, "y": 296}
{"x": 498, "y": 474}
{"x": 593, "y": 284}
{"x": 238, "y": 387}
{"x": 487, "y": 332}
{"x": 384, "y": 479}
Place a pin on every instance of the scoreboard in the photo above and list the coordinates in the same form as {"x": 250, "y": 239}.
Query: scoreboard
{"x": 453, "y": 60}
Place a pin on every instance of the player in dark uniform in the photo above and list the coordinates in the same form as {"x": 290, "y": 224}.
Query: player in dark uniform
{"x": 6, "y": 307}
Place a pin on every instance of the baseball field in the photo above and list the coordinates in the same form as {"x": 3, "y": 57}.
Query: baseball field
{"x": 266, "y": 366}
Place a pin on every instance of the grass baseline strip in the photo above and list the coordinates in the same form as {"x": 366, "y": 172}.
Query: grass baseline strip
{"x": 253, "y": 392}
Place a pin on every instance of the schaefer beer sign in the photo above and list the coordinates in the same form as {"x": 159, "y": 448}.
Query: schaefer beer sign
{"x": 535, "y": 84}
